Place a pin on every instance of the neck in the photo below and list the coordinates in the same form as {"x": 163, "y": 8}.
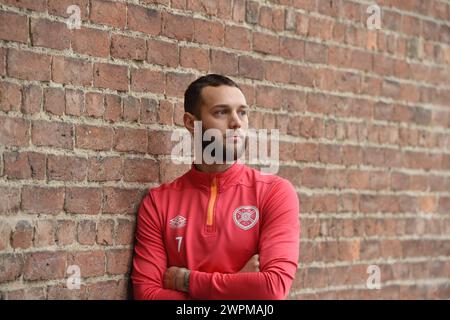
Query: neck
{"x": 209, "y": 168}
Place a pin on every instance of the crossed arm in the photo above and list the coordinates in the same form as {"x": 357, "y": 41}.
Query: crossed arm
{"x": 278, "y": 255}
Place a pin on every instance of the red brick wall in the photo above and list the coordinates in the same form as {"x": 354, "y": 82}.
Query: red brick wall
{"x": 364, "y": 116}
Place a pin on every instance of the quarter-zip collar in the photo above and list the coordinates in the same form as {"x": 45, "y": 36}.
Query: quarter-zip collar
{"x": 224, "y": 179}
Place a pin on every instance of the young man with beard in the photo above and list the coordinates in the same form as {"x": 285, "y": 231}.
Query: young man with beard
{"x": 222, "y": 230}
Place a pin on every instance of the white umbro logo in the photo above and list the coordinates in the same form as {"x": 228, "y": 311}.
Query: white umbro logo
{"x": 178, "y": 222}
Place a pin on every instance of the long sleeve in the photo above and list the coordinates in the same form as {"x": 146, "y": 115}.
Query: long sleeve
{"x": 278, "y": 254}
{"x": 150, "y": 260}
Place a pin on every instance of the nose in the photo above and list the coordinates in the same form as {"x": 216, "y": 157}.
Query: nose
{"x": 235, "y": 121}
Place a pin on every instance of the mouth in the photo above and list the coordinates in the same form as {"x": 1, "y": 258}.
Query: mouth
{"x": 234, "y": 138}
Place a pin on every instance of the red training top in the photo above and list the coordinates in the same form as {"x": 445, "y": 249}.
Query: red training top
{"x": 212, "y": 224}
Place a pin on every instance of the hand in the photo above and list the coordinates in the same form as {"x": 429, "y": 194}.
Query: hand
{"x": 174, "y": 279}
{"x": 252, "y": 265}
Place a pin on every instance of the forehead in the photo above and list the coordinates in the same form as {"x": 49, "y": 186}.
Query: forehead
{"x": 228, "y": 95}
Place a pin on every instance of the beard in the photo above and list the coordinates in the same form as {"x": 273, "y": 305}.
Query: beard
{"x": 231, "y": 151}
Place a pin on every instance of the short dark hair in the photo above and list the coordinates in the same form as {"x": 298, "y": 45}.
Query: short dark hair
{"x": 192, "y": 95}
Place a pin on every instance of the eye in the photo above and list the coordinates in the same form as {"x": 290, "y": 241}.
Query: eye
{"x": 221, "y": 112}
{"x": 243, "y": 112}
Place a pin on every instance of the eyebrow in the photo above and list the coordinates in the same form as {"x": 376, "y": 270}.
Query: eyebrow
{"x": 228, "y": 106}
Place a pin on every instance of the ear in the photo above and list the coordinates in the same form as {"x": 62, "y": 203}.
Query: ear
{"x": 188, "y": 119}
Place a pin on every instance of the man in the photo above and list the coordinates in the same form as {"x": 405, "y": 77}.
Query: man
{"x": 223, "y": 230}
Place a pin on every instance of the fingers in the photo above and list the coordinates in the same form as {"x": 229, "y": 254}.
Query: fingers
{"x": 169, "y": 277}
{"x": 256, "y": 262}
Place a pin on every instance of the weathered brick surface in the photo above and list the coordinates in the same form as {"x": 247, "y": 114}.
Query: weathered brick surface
{"x": 86, "y": 117}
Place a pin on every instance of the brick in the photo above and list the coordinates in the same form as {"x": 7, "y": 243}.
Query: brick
{"x": 144, "y": 20}
{"x": 308, "y": 152}
{"x": 252, "y": 12}
{"x": 71, "y": 71}
{"x": 5, "y": 235}
{"x": 265, "y": 43}
{"x": 105, "y": 232}
{"x": 50, "y": 34}
{"x": 105, "y": 169}
{"x": 162, "y": 53}
{"x": 239, "y": 12}
{"x": 44, "y": 234}
{"x": 444, "y": 204}
{"x": 22, "y": 236}
{"x": 155, "y": 146}
{"x": 44, "y": 265}
{"x": 237, "y": 38}
{"x": 165, "y": 112}
{"x": 35, "y": 5}
{"x": 120, "y": 201}
{"x": 304, "y": 76}
{"x": 61, "y": 292}
{"x": 32, "y": 98}
{"x": 124, "y": 232}
{"x": 10, "y": 96}
{"x": 82, "y": 200}
{"x": 268, "y": 97}
{"x": 59, "y": 7}
{"x": 14, "y": 132}
{"x": 91, "y": 263}
{"x": 271, "y": 18}
{"x": 113, "y": 108}
{"x": 109, "y": 13}
{"x": 128, "y": 48}
{"x": 207, "y": 32}
{"x": 134, "y": 140}
{"x": 206, "y": 7}
{"x": 49, "y": 200}
{"x": 148, "y": 111}
{"x": 94, "y": 104}
{"x": 276, "y": 71}
{"x": 54, "y": 101}
{"x": 103, "y": 290}
{"x": 145, "y": 80}
{"x": 315, "y": 52}
{"x": 86, "y": 232}
{"x": 196, "y": 58}
{"x": 74, "y": 102}
{"x": 94, "y": 138}
{"x": 118, "y": 261}
{"x": 12, "y": 266}
{"x": 91, "y": 42}
{"x": 13, "y": 27}
{"x": 52, "y": 134}
{"x": 314, "y": 177}
{"x": 302, "y": 24}
{"x": 65, "y": 168}
{"x": 28, "y": 65}
{"x": 131, "y": 109}
{"x": 176, "y": 82}
{"x": 24, "y": 165}
{"x": 224, "y": 63}
{"x": 171, "y": 171}
{"x": 330, "y": 154}
{"x": 111, "y": 76}
{"x": 140, "y": 170}
{"x": 2, "y": 61}
{"x": 65, "y": 232}
{"x": 251, "y": 67}
{"x": 9, "y": 200}
{"x": 178, "y": 27}
{"x": 178, "y": 112}
{"x": 292, "y": 48}
{"x": 320, "y": 28}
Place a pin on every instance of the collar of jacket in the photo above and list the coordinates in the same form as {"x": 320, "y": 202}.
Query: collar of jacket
{"x": 224, "y": 179}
